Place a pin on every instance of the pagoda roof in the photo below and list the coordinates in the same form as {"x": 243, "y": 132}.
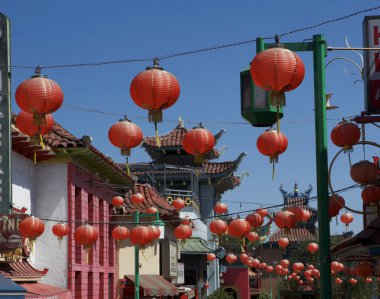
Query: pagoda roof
{"x": 21, "y": 271}
{"x": 172, "y": 142}
{"x": 298, "y": 234}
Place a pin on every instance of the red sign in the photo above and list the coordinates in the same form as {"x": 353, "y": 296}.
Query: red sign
{"x": 10, "y": 238}
{"x": 372, "y": 64}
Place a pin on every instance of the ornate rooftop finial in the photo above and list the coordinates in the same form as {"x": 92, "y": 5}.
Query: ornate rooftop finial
{"x": 219, "y": 134}
{"x": 181, "y": 123}
{"x": 239, "y": 159}
{"x": 283, "y": 192}
{"x": 295, "y": 189}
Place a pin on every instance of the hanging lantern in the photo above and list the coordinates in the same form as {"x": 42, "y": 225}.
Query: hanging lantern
{"x": 178, "y": 203}
{"x": 211, "y": 257}
{"x": 310, "y": 267}
{"x": 285, "y": 220}
{"x": 277, "y": 70}
{"x": 363, "y": 269}
{"x": 345, "y": 135}
{"x": 140, "y": 236}
{"x": 285, "y": 263}
{"x": 31, "y": 227}
{"x": 338, "y": 281}
{"x": 151, "y": 210}
{"x": 368, "y": 280}
{"x": 153, "y": 233}
{"x": 297, "y": 211}
{"x": 24, "y": 122}
{"x": 120, "y": 233}
{"x": 336, "y": 203}
{"x": 305, "y": 216}
{"x": 118, "y": 201}
{"x": 364, "y": 172}
{"x": 137, "y": 198}
{"x": 283, "y": 242}
{"x": 239, "y": 228}
{"x": 231, "y": 258}
{"x": 39, "y": 96}
{"x": 289, "y": 277}
{"x": 272, "y": 144}
{"x": 255, "y": 263}
{"x": 220, "y": 208}
{"x": 371, "y": 194}
{"x": 346, "y": 218}
{"x": 298, "y": 267}
{"x": 312, "y": 248}
{"x": 300, "y": 282}
{"x": 186, "y": 221}
{"x": 307, "y": 273}
{"x": 183, "y": 232}
{"x": 218, "y": 227}
{"x": 254, "y": 219}
{"x": 278, "y": 269}
{"x": 336, "y": 267}
{"x": 252, "y": 237}
{"x": 243, "y": 257}
{"x": 262, "y": 266}
{"x": 86, "y": 235}
{"x": 60, "y": 230}
{"x": 316, "y": 273}
{"x": 352, "y": 281}
{"x": 262, "y": 212}
{"x": 269, "y": 269}
{"x": 198, "y": 142}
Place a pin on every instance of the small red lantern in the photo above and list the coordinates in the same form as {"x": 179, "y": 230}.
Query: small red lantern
{"x": 278, "y": 269}
{"x": 364, "y": 172}
{"x": 31, "y": 227}
{"x": 310, "y": 267}
{"x": 307, "y": 273}
{"x": 262, "y": 212}
{"x": 254, "y": 219}
{"x": 231, "y": 258}
{"x": 269, "y": 269}
{"x": 25, "y": 123}
{"x": 283, "y": 242}
{"x": 312, "y": 248}
{"x": 186, "y": 221}
{"x": 336, "y": 203}
{"x": 346, "y": 218}
{"x": 272, "y": 144}
{"x": 352, "y": 281}
{"x": 338, "y": 281}
{"x": 120, "y": 233}
{"x": 117, "y": 201}
{"x": 305, "y": 216}
{"x": 178, "y": 203}
{"x": 211, "y": 257}
{"x": 262, "y": 265}
{"x": 345, "y": 135}
{"x": 252, "y": 236}
{"x": 220, "y": 208}
{"x": 285, "y": 220}
{"x": 137, "y": 198}
{"x": 244, "y": 257}
{"x": 155, "y": 232}
{"x": 363, "y": 269}
{"x": 183, "y": 232}
{"x": 289, "y": 277}
{"x": 140, "y": 236}
{"x": 277, "y": 70}
{"x": 371, "y": 194}
{"x": 39, "y": 96}
{"x": 218, "y": 227}
{"x": 151, "y": 210}
{"x": 368, "y": 280}
{"x": 298, "y": 267}
{"x": 255, "y": 263}
{"x": 285, "y": 263}
{"x": 60, "y": 230}
{"x": 239, "y": 228}
{"x": 125, "y": 135}
{"x": 316, "y": 273}
{"x": 336, "y": 267}
{"x": 197, "y": 142}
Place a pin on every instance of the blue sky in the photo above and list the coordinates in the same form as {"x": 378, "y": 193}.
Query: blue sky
{"x": 64, "y": 32}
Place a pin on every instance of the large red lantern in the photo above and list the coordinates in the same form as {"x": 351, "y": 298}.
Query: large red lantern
{"x": 283, "y": 242}
{"x": 364, "y": 269}
{"x": 140, "y": 235}
{"x": 285, "y": 220}
{"x": 254, "y": 219}
{"x": 364, "y": 172}
{"x": 39, "y": 96}
{"x": 220, "y": 208}
{"x": 272, "y": 144}
{"x": 371, "y": 194}
{"x": 125, "y": 135}
{"x": 238, "y": 228}
{"x": 120, "y": 233}
{"x": 117, "y": 201}
{"x": 178, "y": 203}
{"x": 231, "y": 258}
{"x": 26, "y": 125}
{"x": 345, "y": 135}
{"x": 183, "y": 232}
{"x": 277, "y": 70}
{"x": 86, "y": 235}
{"x": 211, "y": 256}
{"x": 31, "y": 227}
{"x": 197, "y": 142}
{"x": 137, "y": 198}
{"x": 60, "y": 230}
{"x": 312, "y": 248}
{"x": 346, "y": 218}
{"x": 218, "y": 227}
{"x": 156, "y": 233}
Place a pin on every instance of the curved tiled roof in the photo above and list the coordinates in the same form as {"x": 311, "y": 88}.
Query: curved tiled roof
{"x": 295, "y": 235}
{"x": 21, "y": 271}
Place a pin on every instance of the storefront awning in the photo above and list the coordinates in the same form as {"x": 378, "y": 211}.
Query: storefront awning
{"x": 155, "y": 285}
{"x": 194, "y": 246}
{"x": 40, "y": 290}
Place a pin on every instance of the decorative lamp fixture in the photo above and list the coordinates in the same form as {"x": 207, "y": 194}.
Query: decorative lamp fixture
{"x": 283, "y": 242}
{"x": 262, "y": 212}
{"x": 346, "y": 218}
{"x": 252, "y": 237}
{"x": 26, "y": 125}
{"x": 211, "y": 256}
{"x": 140, "y": 236}
{"x": 231, "y": 258}
{"x": 238, "y": 228}
{"x": 86, "y": 235}
{"x": 178, "y": 203}
{"x": 218, "y": 227}
{"x": 198, "y": 142}
{"x": 183, "y": 232}
{"x": 155, "y": 90}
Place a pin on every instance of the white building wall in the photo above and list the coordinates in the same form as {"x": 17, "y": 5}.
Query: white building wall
{"x": 50, "y": 202}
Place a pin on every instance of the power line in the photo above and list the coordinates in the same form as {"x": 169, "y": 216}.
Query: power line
{"x": 196, "y": 51}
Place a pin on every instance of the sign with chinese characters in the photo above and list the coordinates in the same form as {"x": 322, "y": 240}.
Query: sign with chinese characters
{"x": 371, "y": 26}
{"x": 10, "y": 238}
{"x": 180, "y": 273}
{"x": 173, "y": 255}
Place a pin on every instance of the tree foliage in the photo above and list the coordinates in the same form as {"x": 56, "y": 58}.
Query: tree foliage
{"x": 219, "y": 294}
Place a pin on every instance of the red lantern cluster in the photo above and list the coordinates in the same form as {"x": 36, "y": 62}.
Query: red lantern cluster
{"x": 198, "y": 142}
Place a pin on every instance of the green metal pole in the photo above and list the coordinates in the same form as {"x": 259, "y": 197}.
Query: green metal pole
{"x": 319, "y": 53}
{"x": 137, "y": 263}
{"x": 259, "y": 44}
{"x": 270, "y": 284}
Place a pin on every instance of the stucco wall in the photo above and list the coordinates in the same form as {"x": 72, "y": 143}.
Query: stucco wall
{"x": 50, "y": 202}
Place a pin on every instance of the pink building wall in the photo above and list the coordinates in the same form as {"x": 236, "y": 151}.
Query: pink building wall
{"x": 238, "y": 279}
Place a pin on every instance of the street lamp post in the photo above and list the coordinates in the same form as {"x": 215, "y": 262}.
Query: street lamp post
{"x": 319, "y": 48}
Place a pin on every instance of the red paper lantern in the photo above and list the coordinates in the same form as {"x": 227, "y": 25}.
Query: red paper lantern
{"x": 338, "y": 281}
{"x": 262, "y": 212}
{"x": 252, "y": 236}
{"x": 86, "y": 235}
{"x": 272, "y": 144}
{"x": 312, "y": 248}
{"x": 137, "y": 198}
{"x": 283, "y": 242}
{"x": 310, "y": 267}
{"x": 278, "y": 269}
{"x": 352, "y": 281}
{"x": 305, "y": 216}
{"x": 298, "y": 267}
{"x": 151, "y": 210}
{"x": 186, "y": 221}
{"x": 244, "y": 257}
{"x": 254, "y": 219}
{"x": 262, "y": 265}
{"x": 363, "y": 269}
{"x": 371, "y": 194}
{"x": 239, "y": 228}
{"x": 117, "y": 201}
{"x": 346, "y": 218}
{"x": 25, "y": 123}
{"x": 197, "y": 142}
{"x": 307, "y": 273}
{"x": 120, "y": 233}
{"x": 336, "y": 267}
{"x": 39, "y": 96}
{"x": 269, "y": 269}
{"x": 220, "y": 208}
{"x": 31, "y": 227}
{"x": 316, "y": 273}
{"x": 178, "y": 203}
{"x": 285, "y": 220}
{"x": 336, "y": 203}
{"x": 289, "y": 277}
{"x": 183, "y": 232}
{"x": 218, "y": 227}
{"x": 231, "y": 258}
{"x": 255, "y": 263}
{"x": 345, "y": 134}
{"x": 211, "y": 257}
{"x": 155, "y": 232}
{"x": 297, "y": 211}
{"x": 364, "y": 172}
{"x": 125, "y": 135}
{"x": 155, "y": 90}
{"x": 368, "y": 280}
{"x": 140, "y": 235}
{"x": 277, "y": 70}
{"x": 284, "y": 272}
{"x": 60, "y": 230}
{"x": 285, "y": 263}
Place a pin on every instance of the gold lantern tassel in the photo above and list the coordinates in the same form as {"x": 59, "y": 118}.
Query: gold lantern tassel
{"x": 35, "y": 155}
{"x": 242, "y": 244}
{"x": 278, "y": 118}
{"x": 41, "y": 141}
{"x": 157, "y": 137}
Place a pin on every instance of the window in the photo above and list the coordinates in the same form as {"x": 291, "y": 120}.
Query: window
{"x": 231, "y": 292}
